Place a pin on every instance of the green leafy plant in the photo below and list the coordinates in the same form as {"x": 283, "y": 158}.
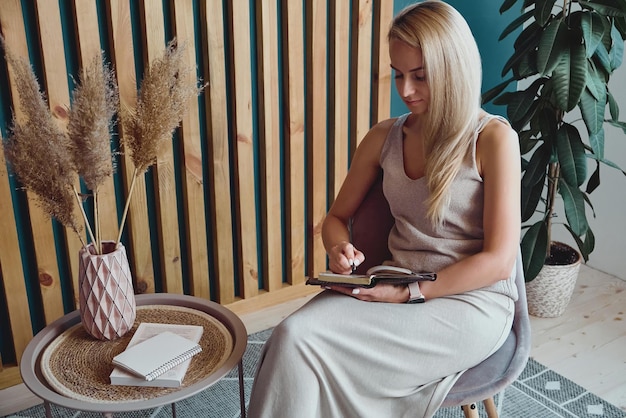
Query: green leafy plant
{"x": 565, "y": 53}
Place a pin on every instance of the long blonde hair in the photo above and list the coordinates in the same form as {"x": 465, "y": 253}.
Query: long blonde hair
{"x": 453, "y": 74}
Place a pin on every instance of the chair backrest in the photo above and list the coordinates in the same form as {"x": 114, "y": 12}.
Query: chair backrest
{"x": 370, "y": 226}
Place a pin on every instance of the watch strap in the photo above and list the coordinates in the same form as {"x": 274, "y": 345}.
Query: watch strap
{"x": 415, "y": 294}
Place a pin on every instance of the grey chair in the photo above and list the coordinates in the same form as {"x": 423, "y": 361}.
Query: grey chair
{"x": 369, "y": 229}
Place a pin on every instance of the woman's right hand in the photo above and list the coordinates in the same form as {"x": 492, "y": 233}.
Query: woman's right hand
{"x": 343, "y": 256}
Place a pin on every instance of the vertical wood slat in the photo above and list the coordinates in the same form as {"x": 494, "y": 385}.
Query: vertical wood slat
{"x": 341, "y": 92}
{"x": 14, "y": 33}
{"x": 137, "y": 226}
{"x": 363, "y": 72}
{"x": 165, "y": 185}
{"x": 89, "y": 48}
{"x": 270, "y": 135}
{"x": 11, "y": 266}
{"x": 295, "y": 144}
{"x": 55, "y": 72}
{"x": 316, "y": 150}
{"x": 193, "y": 183}
{"x": 41, "y": 225}
{"x": 244, "y": 148}
{"x": 381, "y": 97}
{"x": 218, "y": 143}
{"x": 43, "y": 239}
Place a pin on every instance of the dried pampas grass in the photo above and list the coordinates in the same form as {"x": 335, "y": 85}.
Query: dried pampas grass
{"x": 165, "y": 92}
{"x": 164, "y": 96}
{"x": 94, "y": 107}
{"x": 46, "y": 160}
{"x": 36, "y": 149}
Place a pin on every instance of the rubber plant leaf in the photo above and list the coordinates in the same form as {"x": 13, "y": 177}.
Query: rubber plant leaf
{"x": 507, "y": 5}
{"x": 594, "y": 27}
{"x": 543, "y": 11}
{"x": 527, "y": 142}
{"x": 592, "y": 111}
{"x": 613, "y": 107}
{"x": 594, "y": 179}
{"x": 534, "y": 246}
{"x": 606, "y": 7}
{"x": 525, "y": 44}
{"x": 536, "y": 169}
{"x": 493, "y": 92}
{"x": 585, "y": 246}
{"x": 616, "y": 56}
{"x": 574, "y": 205}
{"x": 602, "y": 57}
{"x": 594, "y": 85}
{"x": 515, "y": 24}
{"x": 531, "y": 196}
{"x": 521, "y": 102}
{"x": 620, "y": 24}
{"x": 570, "y": 73}
{"x": 618, "y": 124}
{"x": 552, "y": 45}
{"x": 571, "y": 154}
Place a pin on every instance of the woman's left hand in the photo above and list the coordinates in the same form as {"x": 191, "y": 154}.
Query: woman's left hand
{"x": 379, "y": 293}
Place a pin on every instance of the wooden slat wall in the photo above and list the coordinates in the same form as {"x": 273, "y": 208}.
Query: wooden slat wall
{"x": 233, "y": 211}
{"x": 118, "y": 16}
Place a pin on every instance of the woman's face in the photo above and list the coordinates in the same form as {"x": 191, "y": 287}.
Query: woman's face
{"x": 408, "y": 67}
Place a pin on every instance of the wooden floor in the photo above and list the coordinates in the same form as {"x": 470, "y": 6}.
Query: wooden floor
{"x": 587, "y": 344}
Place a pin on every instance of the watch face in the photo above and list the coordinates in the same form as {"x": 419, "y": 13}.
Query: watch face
{"x": 417, "y": 300}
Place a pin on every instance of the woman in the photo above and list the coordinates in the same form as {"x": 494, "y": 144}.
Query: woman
{"x": 452, "y": 179}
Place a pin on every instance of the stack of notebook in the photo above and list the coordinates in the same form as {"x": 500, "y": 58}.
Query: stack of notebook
{"x": 157, "y": 355}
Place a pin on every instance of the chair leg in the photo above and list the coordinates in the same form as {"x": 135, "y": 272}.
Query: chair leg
{"x": 470, "y": 411}
{"x": 490, "y": 407}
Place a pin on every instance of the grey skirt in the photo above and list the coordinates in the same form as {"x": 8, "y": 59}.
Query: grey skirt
{"x": 341, "y": 357}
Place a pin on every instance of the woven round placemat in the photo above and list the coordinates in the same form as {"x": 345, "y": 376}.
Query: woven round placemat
{"x": 77, "y": 365}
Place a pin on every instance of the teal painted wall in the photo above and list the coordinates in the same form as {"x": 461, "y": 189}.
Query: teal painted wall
{"x": 486, "y": 23}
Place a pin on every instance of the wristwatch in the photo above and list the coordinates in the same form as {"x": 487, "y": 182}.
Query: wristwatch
{"x": 415, "y": 294}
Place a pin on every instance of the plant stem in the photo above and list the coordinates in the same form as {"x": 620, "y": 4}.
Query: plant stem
{"x": 554, "y": 170}
{"x": 96, "y": 221}
{"x": 82, "y": 211}
{"x": 130, "y": 194}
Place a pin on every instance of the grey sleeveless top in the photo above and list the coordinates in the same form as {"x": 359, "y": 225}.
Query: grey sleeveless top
{"x": 413, "y": 241}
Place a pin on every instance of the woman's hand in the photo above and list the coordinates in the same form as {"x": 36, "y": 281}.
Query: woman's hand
{"x": 379, "y": 293}
{"x": 343, "y": 256}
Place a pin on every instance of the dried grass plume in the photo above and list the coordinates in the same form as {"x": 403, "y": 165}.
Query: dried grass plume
{"x": 165, "y": 92}
{"x": 167, "y": 88}
{"x": 36, "y": 148}
{"x": 94, "y": 106}
{"x": 46, "y": 160}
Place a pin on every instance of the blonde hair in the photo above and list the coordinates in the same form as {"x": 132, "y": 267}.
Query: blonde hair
{"x": 453, "y": 74}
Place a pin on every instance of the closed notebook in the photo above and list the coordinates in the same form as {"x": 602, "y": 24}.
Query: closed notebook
{"x": 146, "y": 360}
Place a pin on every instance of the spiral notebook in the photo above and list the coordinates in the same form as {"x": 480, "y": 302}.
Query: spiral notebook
{"x": 157, "y": 355}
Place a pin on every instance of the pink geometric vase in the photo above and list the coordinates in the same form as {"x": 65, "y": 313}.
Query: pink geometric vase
{"x": 106, "y": 297}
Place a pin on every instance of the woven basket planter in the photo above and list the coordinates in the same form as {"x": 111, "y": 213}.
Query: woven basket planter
{"x": 106, "y": 299}
{"x": 550, "y": 292}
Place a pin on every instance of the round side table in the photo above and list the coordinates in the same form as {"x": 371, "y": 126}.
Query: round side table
{"x": 33, "y": 377}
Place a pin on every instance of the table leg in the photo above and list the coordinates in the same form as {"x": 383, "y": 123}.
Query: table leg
{"x": 46, "y": 406}
{"x": 242, "y": 397}
{"x": 173, "y": 409}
